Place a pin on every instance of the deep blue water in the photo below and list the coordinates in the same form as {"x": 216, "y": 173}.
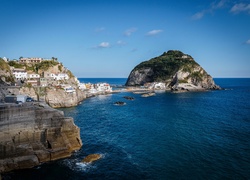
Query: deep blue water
{"x": 201, "y": 135}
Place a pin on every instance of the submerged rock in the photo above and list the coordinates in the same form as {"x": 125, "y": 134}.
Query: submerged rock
{"x": 120, "y": 103}
{"x": 128, "y": 97}
{"x": 147, "y": 94}
{"x": 91, "y": 158}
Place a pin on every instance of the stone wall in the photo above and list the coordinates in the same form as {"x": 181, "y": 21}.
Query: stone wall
{"x": 34, "y": 133}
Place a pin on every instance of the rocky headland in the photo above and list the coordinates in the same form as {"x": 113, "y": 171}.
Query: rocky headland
{"x": 35, "y": 133}
{"x": 46, "y": 88}
{"x": 172, "y": 70}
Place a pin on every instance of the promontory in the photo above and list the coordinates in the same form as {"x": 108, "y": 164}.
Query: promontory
{"x": 172, "y": 70}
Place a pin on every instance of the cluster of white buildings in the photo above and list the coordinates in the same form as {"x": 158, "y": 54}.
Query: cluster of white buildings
{"x": 36, "y": 79}
{"x": 95, "y": 88}
{"x": 60, "y": 76}
{"x": 48, "y": 78}
{"x": 21, "y": 74}
{"x": 155, "y": 86}
{"x": 88, "y": 87}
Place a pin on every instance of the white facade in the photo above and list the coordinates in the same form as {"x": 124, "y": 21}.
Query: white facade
{"x": 103, "y": 87}
{"x": 155, "y": 85}
{"x": 5, "y": 59}
{"x": 160, "y": 85}
{"x": 20, "y": 74}
{"x": 69, "y": 89}
{"x": 33, "y": 76}
{"x": 82, "y": 86}
{"x": 62, "y": 76}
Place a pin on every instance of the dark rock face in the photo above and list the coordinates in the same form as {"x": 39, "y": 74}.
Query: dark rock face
{"x": 173, "y": 68}
{"x": 140, "y": 77}
{"x": 34, "y": 133}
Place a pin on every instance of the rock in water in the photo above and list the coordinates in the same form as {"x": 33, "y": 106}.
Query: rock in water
{"x": 91, "y": 158}
{"x": 177, "y": 70}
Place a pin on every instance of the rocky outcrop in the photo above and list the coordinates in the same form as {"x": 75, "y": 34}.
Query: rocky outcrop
{"x": 34, "y": 133}
{"x": 55, "y": 97}
{"x": 177, "y": 70}
{"x": 59, "y": 98}
{"x": 91, "y": 158}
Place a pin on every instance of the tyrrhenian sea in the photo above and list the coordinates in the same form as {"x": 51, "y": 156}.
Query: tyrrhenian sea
{"x": 194, "y": 135}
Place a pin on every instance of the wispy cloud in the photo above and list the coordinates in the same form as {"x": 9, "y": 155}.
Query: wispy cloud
{"x": 102, "y": 45}
{"x": 154, "y": 32}
{"x": 134, "y": 50}
{"x": 130, "y": 31}
{"x": 120, "y": 43}
{"x": 248, "y": 41}
{"x": 214, "y": 6}
{"x": 241, "y": 7}
{"x": 198, "y": 15}
{"x": 218, "y": 5}
{"x": 100, "y": 29}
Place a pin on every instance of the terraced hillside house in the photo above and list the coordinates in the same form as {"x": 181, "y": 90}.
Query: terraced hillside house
{"x": 20, "y": 74}
{"x": 32, "y": 60}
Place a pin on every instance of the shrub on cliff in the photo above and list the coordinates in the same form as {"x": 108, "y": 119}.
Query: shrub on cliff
{"x": 15, "y": 64}
{"x": 45, "y": 65}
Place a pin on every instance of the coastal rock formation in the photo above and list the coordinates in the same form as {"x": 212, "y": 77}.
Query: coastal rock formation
{"x": 177, "y": 70}
{"x": 34, "y": 133}
{"x": 91, "y": 158}
{"x": 53, "y": 93}
{"x": 59, "y": 98}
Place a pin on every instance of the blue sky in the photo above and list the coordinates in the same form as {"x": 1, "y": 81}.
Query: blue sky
{"x": 108, "y": 38}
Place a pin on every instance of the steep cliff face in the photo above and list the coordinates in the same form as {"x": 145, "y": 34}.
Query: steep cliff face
{"x": 35, "y": 133}
{"x": 59, "y": 98}
{"x": 176, "y": 69}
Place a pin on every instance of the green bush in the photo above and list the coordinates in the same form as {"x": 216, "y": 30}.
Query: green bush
{"x": 15, "y": 64}
{"x": 44, "y": 65}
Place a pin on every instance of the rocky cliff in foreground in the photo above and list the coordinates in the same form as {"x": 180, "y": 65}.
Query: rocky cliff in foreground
{"x": 34, "y": 133}
{"x": 177, "y": 70}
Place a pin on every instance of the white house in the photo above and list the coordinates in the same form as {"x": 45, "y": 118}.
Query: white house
{"x": 103, "y": 87}
{"x": 5, "y": 59}
{"x": 159, "y": 85}
{"x": 19, "y": 74}
{"x": 33, "y": 76}
{"x": 62, "y": 76}
{"x": 82, "y": 86}
{"x": 69, "y": 89}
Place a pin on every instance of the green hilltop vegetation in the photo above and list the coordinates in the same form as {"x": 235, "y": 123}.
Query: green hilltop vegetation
{"x": 44, "y": 65}
{"x": 167, "y": 64}
{"x": 4, "y": 65}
